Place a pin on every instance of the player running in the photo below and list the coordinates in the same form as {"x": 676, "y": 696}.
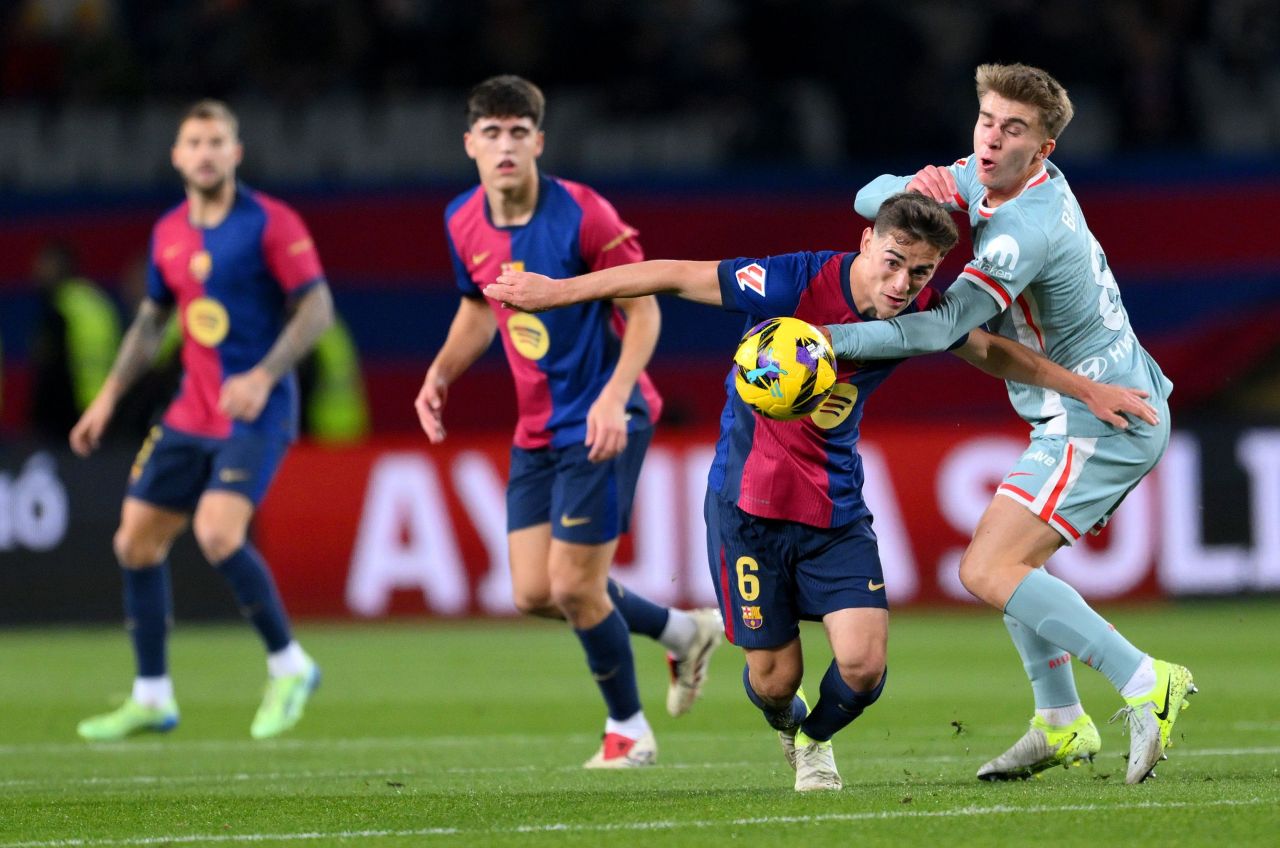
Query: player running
{"x": 586, "y": 407}
{"x": 788, "y": 534}
{"x": 243, "y": 274}
{"x": 1041, "y": 279}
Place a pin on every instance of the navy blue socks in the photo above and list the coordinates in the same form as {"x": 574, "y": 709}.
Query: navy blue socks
{"x": 788, "y": 718}
{"x": 838, "y": 705}
{"x": 641, "y": 615}
{"x": 256, "y": 594}
{"x": 148, "y": 611}
{"x": 608, "y": 648}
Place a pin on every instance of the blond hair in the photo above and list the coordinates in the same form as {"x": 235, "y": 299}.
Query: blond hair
{"x": 1032, "y": 86}
{"x": 211, "y": 110}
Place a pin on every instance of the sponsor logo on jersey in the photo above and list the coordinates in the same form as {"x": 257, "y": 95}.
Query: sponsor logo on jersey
{"x": 752, "y": 617}
{"x": 207, "y": 321}
{"x": 1043, "y": 458}
{"x": 751, "y": 277}
{"x": 1093, "y": 367}
{"x": 835, "y": 409}
{"x": 200, "y": 265}
{"x": 529, "y": 335}
{"x": 1000, "y": 257}
{"x": 513, "y": 265}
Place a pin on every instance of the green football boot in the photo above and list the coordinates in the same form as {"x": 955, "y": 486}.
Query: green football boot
{"x": 283, "y": 703}
{"x": 1043, "y": 747}
{"x": 1149, "y": 719}
{"x": 129, "y": 718}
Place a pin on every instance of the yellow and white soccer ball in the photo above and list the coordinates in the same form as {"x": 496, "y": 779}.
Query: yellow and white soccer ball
{"x": 785, "y": 368}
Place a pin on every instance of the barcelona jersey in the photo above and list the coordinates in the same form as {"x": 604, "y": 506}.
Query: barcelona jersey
{"x": 230, "y": 285}
{"x": 808, "y": 470}
{"x": 562, "y": 358}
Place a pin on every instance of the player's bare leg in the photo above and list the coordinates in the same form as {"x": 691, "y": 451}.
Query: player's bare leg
{"x": 689, "y": 636}
{"x": 221, "y": 527}
{"x": 578, "y": 575}
{"x": 529, "y": 549}
{"x": 142, "y": 545}
{"x": 1002, "y": 567}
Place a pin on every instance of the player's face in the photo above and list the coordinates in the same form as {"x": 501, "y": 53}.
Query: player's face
{"x": 505, "y": 150}
{"x": 1009, "y": 141}
{"x": 206, "y": 154}
{"x": 893, "y": 271}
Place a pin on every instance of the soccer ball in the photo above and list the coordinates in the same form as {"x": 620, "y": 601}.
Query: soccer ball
{"x": 785, "y": 368}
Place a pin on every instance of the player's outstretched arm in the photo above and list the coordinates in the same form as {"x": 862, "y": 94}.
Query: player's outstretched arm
{"x": 244, "y": 395}
{"x": 935, "y": 181}
{"x": 470, "y": 335}
{"x": 137, "y": 351}
{"x": 962, "y": 308}
{"x": 692, "y": 280}
{"x": 1008, "y": 360}
{"x": 607, "y": 418}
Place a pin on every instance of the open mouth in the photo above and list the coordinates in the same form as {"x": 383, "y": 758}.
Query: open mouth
{"x": 507, "y": 166}
{"x": 896, "y": 302}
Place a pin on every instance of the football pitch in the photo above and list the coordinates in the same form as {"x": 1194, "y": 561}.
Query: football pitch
{"x": 469, "y": 733}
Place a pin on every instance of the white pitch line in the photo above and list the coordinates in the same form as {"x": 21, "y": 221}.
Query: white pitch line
{"x": 148, "y": 779}
{"x": 662, "y": 824}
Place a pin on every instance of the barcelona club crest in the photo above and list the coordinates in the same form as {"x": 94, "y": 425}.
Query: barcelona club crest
{"x": 752, "y": 617}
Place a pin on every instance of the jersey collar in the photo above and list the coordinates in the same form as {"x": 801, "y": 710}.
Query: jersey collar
{"x": 1034, "y": 180}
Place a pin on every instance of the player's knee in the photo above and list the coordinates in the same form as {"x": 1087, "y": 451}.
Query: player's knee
{"x": 217, "y": 542}
{"x": 776, "y": 685}
{"x": 138, "y": 550}
{"x": 534, "y": 603}
{"x": 974, "y": 577}
{"x": 862, "y": 672}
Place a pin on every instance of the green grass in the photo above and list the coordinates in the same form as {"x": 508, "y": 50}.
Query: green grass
{"x": 473, "y": 734}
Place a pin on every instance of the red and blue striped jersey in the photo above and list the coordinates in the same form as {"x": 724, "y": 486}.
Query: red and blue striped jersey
{"x": 230, "y": 285}
{"x": 562, "y": 358}
{"x": 808, "y": 470}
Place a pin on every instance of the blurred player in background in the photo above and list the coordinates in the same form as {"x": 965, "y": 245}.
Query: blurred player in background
{"x": 586, "y": 407}
{"x": 1040, "y": 278}
{"x": 243, "y": 274}
{"x": 788, "y": 534}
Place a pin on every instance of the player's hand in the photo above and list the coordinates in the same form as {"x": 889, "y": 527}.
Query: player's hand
{"x": 1111, "y": 403}
{"x": 935, "y": 182}
{"x": 527, "y": 291}
{"x": 86, "y": 435}
{"x": 606, "y": 427}
{"x": 429, "y": 405}
{"x": 244, "y": 395}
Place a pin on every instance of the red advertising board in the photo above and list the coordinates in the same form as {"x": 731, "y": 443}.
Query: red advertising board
{"x": 401, "y": 527}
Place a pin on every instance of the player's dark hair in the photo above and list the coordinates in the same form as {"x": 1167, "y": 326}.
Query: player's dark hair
{"x": 506, "y": 96}
{"x": 1025, "y": 84}
{"x": 211, "y": 110}
{"x": 919, "y": 218}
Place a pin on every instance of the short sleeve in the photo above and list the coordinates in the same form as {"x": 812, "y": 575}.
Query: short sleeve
{"x": 768, "y": 287}
{"x": 157, "y": 289}
{"x": 461, "y": 277}
{"x": 604, "y": 239}
{"x": 289, "y": 249}
{"x": 1012, "y": 256}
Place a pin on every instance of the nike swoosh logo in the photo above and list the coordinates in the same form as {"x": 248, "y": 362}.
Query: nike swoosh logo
{"x": 874, "y": 587}
{"x": 477, "y": 258}
{"x": 566, "y": 521}
{"x": 1020, "y": 474}
{"x": 1062, "y": 746}
{"x": 1163, "y": 715}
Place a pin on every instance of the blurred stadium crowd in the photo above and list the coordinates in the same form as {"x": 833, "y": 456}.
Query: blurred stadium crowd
{"x": 815, "y": 82}
{"x": 718, "y": 126}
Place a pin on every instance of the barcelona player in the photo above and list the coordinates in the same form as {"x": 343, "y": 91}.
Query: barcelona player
{"x": 1040, "y": 278}
{"x": 243, "y": 275}
{"x": 788, "y": 534}
{"x": 586, "y": 407}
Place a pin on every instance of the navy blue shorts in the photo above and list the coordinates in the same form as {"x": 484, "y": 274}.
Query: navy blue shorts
{"x": 173, "y": 469}
{"x": 771, "y": 574}
{"x": 588, "y": 503}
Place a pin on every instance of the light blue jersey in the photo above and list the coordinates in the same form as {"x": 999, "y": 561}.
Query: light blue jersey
{"x": 1039, "y": 277}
